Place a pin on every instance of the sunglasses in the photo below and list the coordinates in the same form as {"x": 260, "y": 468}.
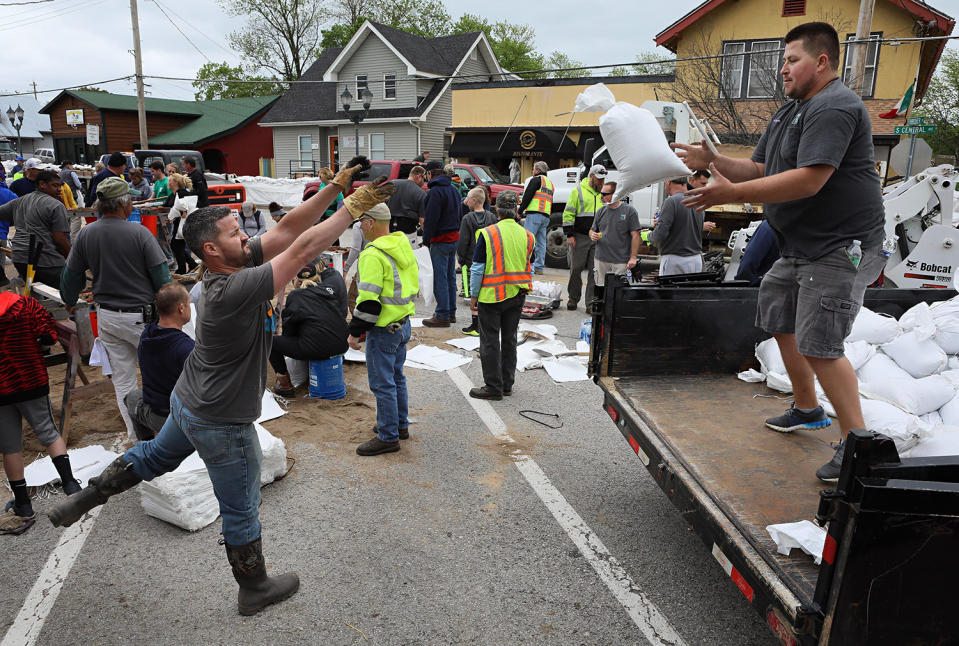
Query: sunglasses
{"x": 603, "y": 193}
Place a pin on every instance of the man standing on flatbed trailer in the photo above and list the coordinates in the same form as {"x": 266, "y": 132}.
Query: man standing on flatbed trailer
{"x": 813, "y": 171}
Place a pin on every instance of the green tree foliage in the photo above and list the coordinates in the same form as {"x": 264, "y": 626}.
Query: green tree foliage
{"x": 648, "y": 63}
{"x": 619, "y": 71}
{"x": 280, "y": 36}
{"x": 219, "y": 81}
{"x": 940, "y": 106}
{"x": 339, "y": 34}
{"x": 561, "y": 64}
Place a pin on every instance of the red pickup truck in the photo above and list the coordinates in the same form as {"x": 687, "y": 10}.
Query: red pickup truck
{"x": 471, "y": 174}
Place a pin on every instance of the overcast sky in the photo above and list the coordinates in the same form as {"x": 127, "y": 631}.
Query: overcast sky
{"x": 70, "y": 42}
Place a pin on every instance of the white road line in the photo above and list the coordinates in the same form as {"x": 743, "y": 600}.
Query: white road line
{"x": 644, "y": 613}
{"x": 26, "y": 627}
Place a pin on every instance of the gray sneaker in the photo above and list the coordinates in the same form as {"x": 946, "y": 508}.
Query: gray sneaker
{"x": 829, "y": 472}
{"x": 796, "y": 420}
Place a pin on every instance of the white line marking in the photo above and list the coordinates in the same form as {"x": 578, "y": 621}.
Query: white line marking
{"x": 644, "y": 613}
{"x": 26, "y": 627}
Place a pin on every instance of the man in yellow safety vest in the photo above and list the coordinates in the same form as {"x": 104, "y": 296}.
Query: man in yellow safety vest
{"x": 500, "y": 277}
{"x": 388, "y": 279}
{"x": 536, "y": 205}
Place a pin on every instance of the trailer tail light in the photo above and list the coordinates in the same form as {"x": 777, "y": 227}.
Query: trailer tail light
{"x": 780, "y": 628}
{"x": 613, "y": 413}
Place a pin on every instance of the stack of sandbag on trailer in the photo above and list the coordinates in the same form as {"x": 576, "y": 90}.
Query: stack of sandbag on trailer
{"x": 908, "y": 374}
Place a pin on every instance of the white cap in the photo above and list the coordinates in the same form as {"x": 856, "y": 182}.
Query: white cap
{"x": 598, "y": 170}
{"x": 33, "y": 162}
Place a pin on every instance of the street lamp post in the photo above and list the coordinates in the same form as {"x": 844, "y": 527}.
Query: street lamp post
{"x": 356, "y": 117}
{"x": 16, "y": 120}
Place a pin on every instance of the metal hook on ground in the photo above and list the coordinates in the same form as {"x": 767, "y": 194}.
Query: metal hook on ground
{"x": 527, "y": 413}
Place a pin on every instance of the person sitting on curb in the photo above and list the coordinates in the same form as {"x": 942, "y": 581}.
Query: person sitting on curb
{"x": 25, "y": 327}
{"x": 314, "y": 322}
{"x": 388, "y": 281}
{"x": 163, "y": 349}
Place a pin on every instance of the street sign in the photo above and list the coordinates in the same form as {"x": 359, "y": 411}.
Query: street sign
{"x": 921, "y": 156}
{"x": 93, "y": 135}
{"x": 915, "y": 130}
{"x": 917, "y": 121}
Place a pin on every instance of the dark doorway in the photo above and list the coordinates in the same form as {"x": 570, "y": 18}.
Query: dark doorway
{"x": 214, "y": 160}
{"x": 76, "y": 150}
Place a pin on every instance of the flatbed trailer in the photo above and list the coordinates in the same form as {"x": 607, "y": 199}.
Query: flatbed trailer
{"x": 666, "y": 359}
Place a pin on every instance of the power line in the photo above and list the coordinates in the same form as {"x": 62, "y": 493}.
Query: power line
{"x": 20, "y": 4}
{"x": 200, "y": 31}
{"x": 30, "y": 17}
{"x": 163, "y": 11}
{"x": 72, "y": 87}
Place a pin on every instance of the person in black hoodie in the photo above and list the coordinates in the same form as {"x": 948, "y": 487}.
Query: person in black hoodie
{"x": 314, "y": 323}
{"x": 477, "y": 217}
{"x": 163, "y": 349}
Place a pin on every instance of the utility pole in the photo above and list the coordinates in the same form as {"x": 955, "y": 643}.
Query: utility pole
{"x": 861, "y": 48}
{"x": 141, "y": 106}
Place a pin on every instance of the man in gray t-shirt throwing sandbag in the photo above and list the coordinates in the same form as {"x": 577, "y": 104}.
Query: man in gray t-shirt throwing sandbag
{"x": 217, "y": 398}
{"x": 813, "y": 170}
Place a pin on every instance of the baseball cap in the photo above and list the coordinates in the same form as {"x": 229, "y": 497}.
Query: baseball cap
{"x": 434, "y": 164}
{"x": 380, "y": 213}
{"x": 113, "y": 187}
{"x": 507, "y": 200}
{"x": 116, "y": 160}
{"x": 598, "y": 170}
{"x": 19, "y": 157}
{"x": 33, "y": 162}
{"x": 306, "y": 272}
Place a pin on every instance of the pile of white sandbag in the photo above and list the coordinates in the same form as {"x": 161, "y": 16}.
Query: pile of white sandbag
{"x": 908, "y": 376}
{"x": 184, "y": 497}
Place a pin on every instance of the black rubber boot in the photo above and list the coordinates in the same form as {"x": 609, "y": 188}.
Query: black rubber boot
{"x": 257, "y": 590}
{"x": 116, "y": 478}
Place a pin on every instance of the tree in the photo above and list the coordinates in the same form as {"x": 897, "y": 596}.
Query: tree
{"x": 426, "y": 19}
{"x": 560, "y": 64}
{"x": 512, "y": 43}
{"x": 940, "y": 106}
{"x": 618, "y": 71}
{"x": 219, "y": 81}
{"x": 282, "y": 36}
{"x": 654, "y": 63}
{"x": 339, "y": 35}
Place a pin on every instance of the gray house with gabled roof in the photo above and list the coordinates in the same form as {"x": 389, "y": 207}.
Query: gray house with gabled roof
{"x": 411, "y": 109}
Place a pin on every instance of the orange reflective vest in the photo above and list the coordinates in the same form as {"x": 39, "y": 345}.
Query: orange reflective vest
{"x": 542, "y": 201}
{"x": 508, "y": 249}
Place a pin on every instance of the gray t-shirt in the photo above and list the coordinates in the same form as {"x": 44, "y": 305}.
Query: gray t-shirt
{"x": 616, "y": 225}
{"x": 408, "y": 200}
{"x": 120, "y": 254}
{"x": 38, "y": 214}
{"x": 679, "y": 229}
{"x": 833, "y": 128}
{"x": 224, "y": 377}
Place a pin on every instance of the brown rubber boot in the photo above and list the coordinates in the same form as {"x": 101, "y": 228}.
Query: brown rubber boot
{"x": 116, "y": 478}
{"x": 257, "y": 590}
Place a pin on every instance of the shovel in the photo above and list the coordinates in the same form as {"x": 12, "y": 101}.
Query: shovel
{"x": 33, "y": 257}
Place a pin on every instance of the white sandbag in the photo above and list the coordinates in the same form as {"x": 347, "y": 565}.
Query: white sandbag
{"x": 945, "y": 309}
{"x": 949, "y": 412}
{"x": 639, "y": 149}
{"x": 595, "y": 98}
{"x": 953, "y": 363}
{"x": 425, "y": 266}
{"x": 779, "y": 382}
{"x": 298, "y": 370}
{"x": 548, "y": 289}
{"x": 770, "y": 359}
{"x": 947, "y": 334}
{"x": 873, "y": 328}
{"x": 881, "y": 367}
{"x": 904, "y": 429}
{"x": 939, "y": 441}
{"x": 915, "y": 396}
{"x": 919, "y": 315}
{"x": 932, "y": 419}
{"x": 916, "y": 352}
{"x": 859, "y": 353}
{"x": 184, "y": 497}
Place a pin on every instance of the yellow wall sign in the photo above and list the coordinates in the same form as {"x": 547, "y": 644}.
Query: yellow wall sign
{"x": 74, "y": 117}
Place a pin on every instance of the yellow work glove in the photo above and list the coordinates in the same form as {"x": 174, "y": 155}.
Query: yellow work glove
{"x": 325, "y": 175}
{"x": 367, "y": 196}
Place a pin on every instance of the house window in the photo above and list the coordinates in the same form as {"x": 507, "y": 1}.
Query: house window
{"x": 794, "y": 8}
{"x": 389, "y": 86}
{"x": 750, "y": 69}
{"x": 361, "y": 85}
{"x": 872, "y": 59}
{"x": 306, "y": 150}
{"x": 377, "y": 146}
{"x": 763, "y": 69}
{"x": 732, "y": 69}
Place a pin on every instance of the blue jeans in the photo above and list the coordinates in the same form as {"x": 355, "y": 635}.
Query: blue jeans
{"x": 385, "y": 356}
{"x": 232, "y": 456}
{"x": 537, "y": 223}
{"x": 443, "y": 255}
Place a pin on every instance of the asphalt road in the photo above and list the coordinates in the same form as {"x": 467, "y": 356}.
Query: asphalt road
{"x": 445, "y": 542}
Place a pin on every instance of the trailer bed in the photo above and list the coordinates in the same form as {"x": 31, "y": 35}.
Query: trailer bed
{"x": 713, "y": 424}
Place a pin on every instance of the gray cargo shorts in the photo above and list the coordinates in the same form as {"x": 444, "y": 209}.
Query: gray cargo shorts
{"x": 817, "y": 300}
{"x": 39, "y": 416}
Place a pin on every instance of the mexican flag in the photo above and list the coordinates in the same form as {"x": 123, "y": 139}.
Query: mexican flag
{"x": 904, "y": 102}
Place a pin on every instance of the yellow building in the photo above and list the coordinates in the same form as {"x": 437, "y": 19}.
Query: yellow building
{"x": 739, "y": 92}
{"x": 532, "y": 120}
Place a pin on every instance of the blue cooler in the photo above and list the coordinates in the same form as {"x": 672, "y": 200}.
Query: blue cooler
{"x": 326, "y": 378}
